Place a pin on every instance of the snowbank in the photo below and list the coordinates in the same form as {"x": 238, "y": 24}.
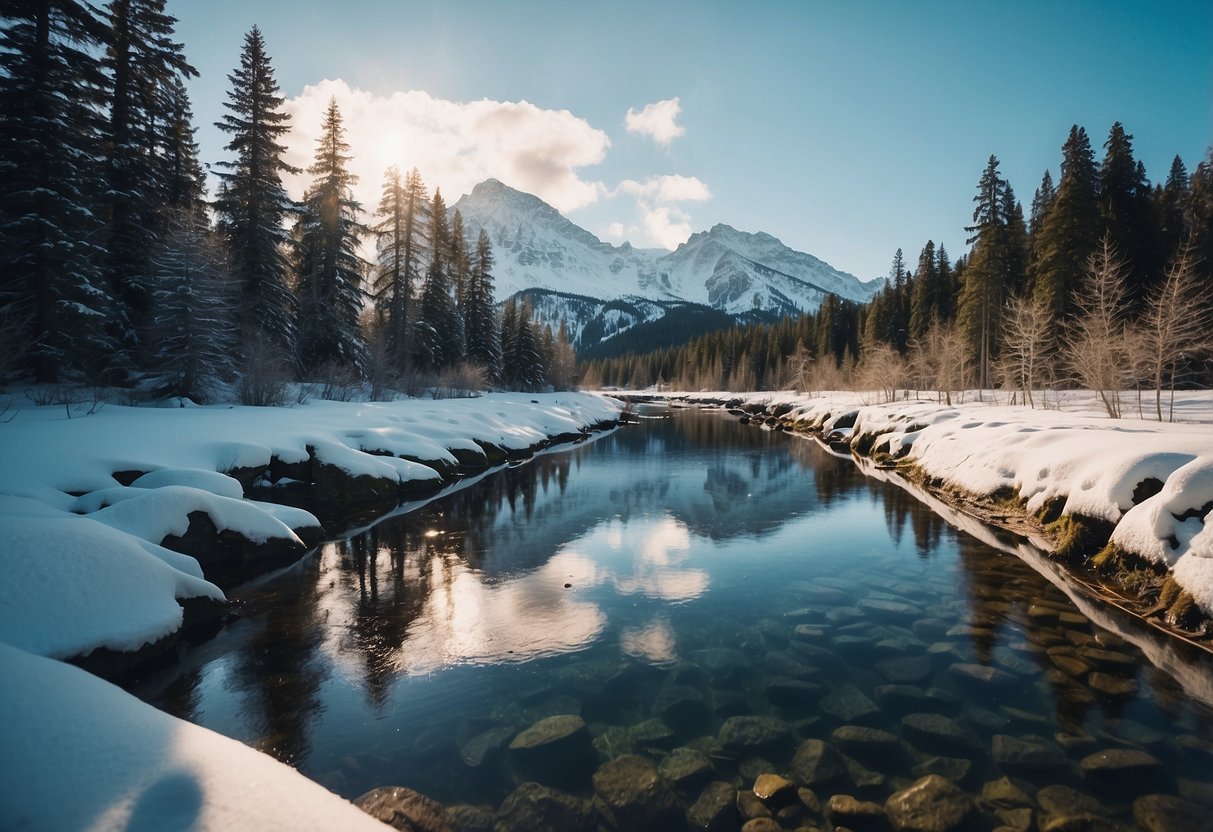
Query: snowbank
{"x": 81, "y": 554}
{"x": 1152, "y": 481}
{"x": 83, "y": 754}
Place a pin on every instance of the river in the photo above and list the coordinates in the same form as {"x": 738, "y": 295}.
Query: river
{"x": 661, "y": 582}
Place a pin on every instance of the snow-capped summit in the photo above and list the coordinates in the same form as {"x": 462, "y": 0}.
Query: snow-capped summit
{"x": 736, "y": 272}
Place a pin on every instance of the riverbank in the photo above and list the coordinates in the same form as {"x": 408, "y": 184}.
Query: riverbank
{"x": 1123, "y": 503}
{"x": 120, "y": 530}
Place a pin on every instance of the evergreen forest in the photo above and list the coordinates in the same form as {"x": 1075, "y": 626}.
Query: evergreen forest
{"x": 119, "y": 270}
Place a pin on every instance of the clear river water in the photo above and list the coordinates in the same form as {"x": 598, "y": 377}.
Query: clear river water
{"x": 668, "y": 583}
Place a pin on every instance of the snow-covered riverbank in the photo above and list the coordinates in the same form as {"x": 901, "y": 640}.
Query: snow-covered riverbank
{"x": 1145, "y": 486}
{"x": 86, "y": 504}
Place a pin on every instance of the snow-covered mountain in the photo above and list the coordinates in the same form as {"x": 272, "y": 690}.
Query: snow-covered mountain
{"x": 601, "y": 289}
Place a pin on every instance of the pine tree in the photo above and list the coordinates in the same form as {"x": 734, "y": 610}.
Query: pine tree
{"x": 924, "y": 306}
{"x": 143, "y": 62}
{"x": 185, "y": 180}
{"x": 53, "y": 296}
{"x": 1170, "y": 204}
{"x": 192, "y": 326}
{"x": 402, "y": 245}
{"x": 437, "y": 336}
{"x": 1199, "y": 216}
{"x": 1125, "y": 211}
{"x": 252, "y": 203}
{"x": 480, "y": 319}
{"x": 986, "y": 279}
{"x": 327, "y": 233}
{"x": 1069, "y": 231}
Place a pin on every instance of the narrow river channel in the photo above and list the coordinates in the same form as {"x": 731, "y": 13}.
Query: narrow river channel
{"x": 661, "y": 582}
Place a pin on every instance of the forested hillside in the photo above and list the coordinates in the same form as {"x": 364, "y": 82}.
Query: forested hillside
{"x": 1102, "y": 283}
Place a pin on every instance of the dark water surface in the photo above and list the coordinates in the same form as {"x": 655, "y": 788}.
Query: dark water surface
{"x": 667, "y": 578}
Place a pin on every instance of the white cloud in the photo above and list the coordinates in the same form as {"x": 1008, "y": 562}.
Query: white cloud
{"x": 657, "y": 121}
{"x": 454, "y": 144}
{"x": 615, "y": 230}
{"x": 663, "y": 222}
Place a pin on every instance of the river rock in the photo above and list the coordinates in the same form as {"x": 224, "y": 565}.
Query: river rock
{"x": 1064, "y": 808}
{"x": 557, "y": 748}
{"x": 749, "y": 807}
{"x": 486, "y": 748}
{"x": 1114, "y": 767}
{"x": 905, "y": 669}
{"x": 743, "y": 735}
{"x": 817, "y": 763}
{"x": 955, "y": 769}
{"x": 849, "y": 704}
{"x": 849, "y": 811}
{"x": 471, "y": 818}
{"x": 789, "y": 693}
{"x": 687, "y": 768}
{"x": 715, "y": 810}
{"x": 727, "y": 703}
{"x": 536, "y": 808}
{"x": 1027, "y": 754}
{"x": 652, "y": 733}
{"x": 405, "y": 809}
{"x": 932, "y": 804}
{"x": 636, "y": 795}
{"x": 935, "y": 732}
{"x": 1004, "y": 794}
{"x": 774, "y": 790}
{"x": 861, "y": 740}
{"x": 1110, "y": 685}
{"x": 1166, "y": 813}
{"x": 882, "y": 608}
{"x": 983, "y": 675}
{"x": 683, "y": 708}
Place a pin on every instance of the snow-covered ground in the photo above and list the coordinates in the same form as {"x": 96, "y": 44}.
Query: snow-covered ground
{"x": 83, "y": 568}
{"x": 1070, "y": 452}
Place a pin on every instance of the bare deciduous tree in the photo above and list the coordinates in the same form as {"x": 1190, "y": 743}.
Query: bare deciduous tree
{"x": 1175, "y": 327}
{"x": 883, "y": 370}
{"x": 1027, "y": 345}
{"x": 1098, "y": 342}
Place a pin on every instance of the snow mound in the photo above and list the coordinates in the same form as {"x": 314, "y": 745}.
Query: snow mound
{"x": 85, "y": 754}
{"x": 1163, "y": 527}
{"x": 73, "y": 584}
{"x": 212, "y": 481}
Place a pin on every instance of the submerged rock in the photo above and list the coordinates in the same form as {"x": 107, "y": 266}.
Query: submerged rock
{"x": 536, "y": 808}
{"x": 934, "y": 732}
{"x": 932, "y": 804}
{"x": 817, "y": 763}
{"x": 1115, "y": 767}
{"x": 405, "y": 809}
{"x": 636, "y": 795}
{"x": 849, "y": 811}
{"x": 753, "y": 734}
{"x": 687, "y": 768}
{"x": 555, "y": 749}
{"x": 1166, "y": 813}
{"x": 715, "y": 810}
{"x": 849, "y": 704}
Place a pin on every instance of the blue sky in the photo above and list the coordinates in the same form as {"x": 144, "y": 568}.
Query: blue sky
{"x": 846, "y": 129}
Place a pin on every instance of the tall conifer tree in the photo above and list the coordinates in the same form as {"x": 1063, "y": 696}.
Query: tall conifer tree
{"x": 1125, "y": 210}
{"x": 1069, "y": 231}
{"x": 327, "y": 234}
{"x": 54, "y": 299}
{"x": 252, "y": 203}
{"x": 480, "y": 318}
{"x": 402, "y": 245}
{"x": 437, "y": 337}
{"x": 143, "y": 61}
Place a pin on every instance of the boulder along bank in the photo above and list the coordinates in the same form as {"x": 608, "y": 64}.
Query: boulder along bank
{"x": 1123, "y": 529}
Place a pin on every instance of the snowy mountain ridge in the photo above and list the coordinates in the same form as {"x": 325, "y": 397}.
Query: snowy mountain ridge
{"x": 736, "y": 272}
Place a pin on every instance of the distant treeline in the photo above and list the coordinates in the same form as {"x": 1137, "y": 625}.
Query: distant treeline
{"x": 1101, "y": 245}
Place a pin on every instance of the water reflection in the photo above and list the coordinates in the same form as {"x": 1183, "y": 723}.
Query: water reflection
{"x": 685, "y": 571}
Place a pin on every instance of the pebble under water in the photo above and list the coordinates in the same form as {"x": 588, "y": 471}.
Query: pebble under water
{"x": 700, "y": 622}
